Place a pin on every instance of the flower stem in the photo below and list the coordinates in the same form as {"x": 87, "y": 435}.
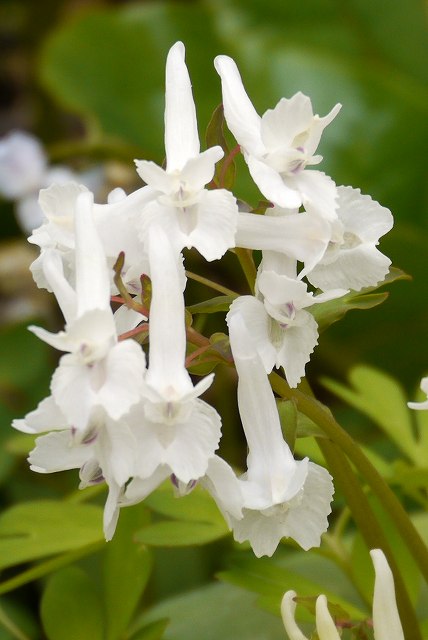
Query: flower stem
{"x": 212, "y": 285}
{"x": 324, "y": 419}
{"x": 369, "y": 527}
{"x": 10, "y": 626}
{"x": 245, "y": 257}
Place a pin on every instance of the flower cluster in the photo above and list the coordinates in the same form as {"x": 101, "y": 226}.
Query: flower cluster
{"x": 133, "y": 424}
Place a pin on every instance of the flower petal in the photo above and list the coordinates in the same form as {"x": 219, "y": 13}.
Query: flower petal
{"x": 181, "y": 129}
{"x": 318, "y": 192}
{"x": 291, "y": 117}
{"x": 215, "y": 230}
{"x": 242, "y": 119}
{"x": 307, "y": 520}
{"x": 386, "y": 621}
{"x": 56, "y": 452}
{"x": 167, "y": 325}
{"x": 154, "y": 176}
{"x": 325, "y": 624}
{"x": 300, "y": 236}
{"x": 257, "y": 322}
{"x": 92, "y": 275}
{"x": 46, "y": 417}
{"x": 223, "y": 485}
{"x": 288, "y": 608}
{"x": 298, "y": 342}
{"x": 272, "y": 185}
{"x": 198, "y": 171}
{"x": 363, "y": 216}
{"x": 363, "y": 266}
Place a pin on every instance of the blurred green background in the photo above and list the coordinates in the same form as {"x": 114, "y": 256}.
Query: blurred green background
{"x": 87, "y": 77}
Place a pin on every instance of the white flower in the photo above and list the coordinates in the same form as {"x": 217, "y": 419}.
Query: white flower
{"x": 279, "y": 145}
{"x": 176, "y": 431}
{"x": 104, "y": 452}
{"x": 282, "y": 496}
{"x": 351, "y": 260}
{"x": 23, "y": 164}
{"x": 192, "y": 215}
{"x": 115, "y": 223}
{"x": 283, "y": 333}
{"x": 98, "y": 370}
{"x": 421, "y": 405}
{"x": 300, "y": 236}
{"x": 24, "y": 170}
{"x": 386, "y": 621}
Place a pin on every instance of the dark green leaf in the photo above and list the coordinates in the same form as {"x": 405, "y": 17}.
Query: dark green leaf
{"x": 71, "y": 607}
{"x": 174, "y": 533}
{"x": 216, "y": 612}
{"x": 152, "y": 631}
{"x": 120, "y": 88}
{"x": 381, "y": 398}
{"x": 197, "y": 506}
{"x": 127, "y": 568}
{"x": 36, "y": 529}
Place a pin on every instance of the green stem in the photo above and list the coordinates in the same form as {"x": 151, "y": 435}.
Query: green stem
{"x": 369, "y": 527}
{"x": 319, "y": 414}
{"x": 10, "y": 626}
{"x": 245, "y": 257}
{"x": 212, "y": 285}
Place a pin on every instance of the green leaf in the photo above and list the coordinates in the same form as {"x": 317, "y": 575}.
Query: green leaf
{"x": 421, "y": 420}
{"x": 214, "y": 305}
{"x": 152, "y": 631}
{"x": 270, "y": 580}
{"x": 382, "y": 399}
{"x": 174, "y": 533}
{"x": 33, "y": 530}
{"x": 71, "y": 607}
{"x": 218, "y": 352}
{"x": 326, "y": 313}
{"x": 120, "y": 88}
{"x": 197, "y": 506}
{"x": 127, "y": 568}
{"x": 197, "y": 519}
{"x": 215, "y": 612}
{"x": 336, "y": 611}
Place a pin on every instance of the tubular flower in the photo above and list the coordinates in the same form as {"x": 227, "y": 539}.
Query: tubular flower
{"x": 98, "y": 370}
{"x": 279, "y": 145}
{"x": 177, "y": 433}
{"x": 281, "y": 496}
{"x": 386, "y": 621}
{"x": 192, "y": 215}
